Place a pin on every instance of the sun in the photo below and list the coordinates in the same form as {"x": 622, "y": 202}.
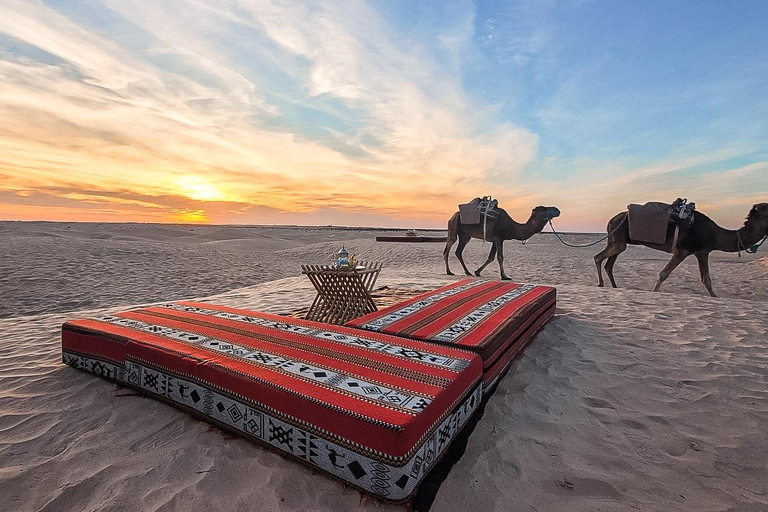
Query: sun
{"x": 189, "y": 217}
{"x": 199, "y": 188}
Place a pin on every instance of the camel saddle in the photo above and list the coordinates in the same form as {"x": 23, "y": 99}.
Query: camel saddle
{"x": 473, "y": 211}
{"x": 649, "y": 222}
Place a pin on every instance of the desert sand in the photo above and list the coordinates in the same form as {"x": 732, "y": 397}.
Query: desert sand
{"x": 627, "y": 399}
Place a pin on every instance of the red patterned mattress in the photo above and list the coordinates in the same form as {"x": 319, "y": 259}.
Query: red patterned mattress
{"x": 372, "y": 409}
{"x": 495, "y": 319}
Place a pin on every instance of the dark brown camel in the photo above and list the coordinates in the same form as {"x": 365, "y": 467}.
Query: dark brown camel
{"x": 498, "y": 230}
{"x": 701, "y": 238}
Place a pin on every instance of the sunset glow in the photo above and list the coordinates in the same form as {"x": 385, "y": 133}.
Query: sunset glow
{"x": 200, "y": 189}
{"x": 378, "y": 113}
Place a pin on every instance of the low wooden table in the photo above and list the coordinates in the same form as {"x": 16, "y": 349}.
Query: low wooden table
{"x": 342, "y": 293}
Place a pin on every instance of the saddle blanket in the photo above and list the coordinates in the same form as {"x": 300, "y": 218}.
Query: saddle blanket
{"x": 648, "y": 222}
{"x": 494, "y": 319}
{"x": 374, "y": 410}
{"x": 473, "y": 211}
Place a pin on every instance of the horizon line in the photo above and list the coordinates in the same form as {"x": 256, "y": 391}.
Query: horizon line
{"x": 287, "y": 226}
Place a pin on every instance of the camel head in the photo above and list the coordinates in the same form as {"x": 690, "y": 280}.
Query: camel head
{"x": 544, "y": 213}
{"x": 758, "y": 216}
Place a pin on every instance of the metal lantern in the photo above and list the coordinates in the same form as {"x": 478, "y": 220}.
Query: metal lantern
{"x": 343, "y": 258}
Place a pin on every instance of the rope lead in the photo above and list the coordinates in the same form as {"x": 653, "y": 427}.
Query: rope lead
{"x": 589, "y": 244}
{"x": 754, "y": 248}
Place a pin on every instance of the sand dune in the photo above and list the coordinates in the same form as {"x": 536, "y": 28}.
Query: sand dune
{"x": 626, "y": 400}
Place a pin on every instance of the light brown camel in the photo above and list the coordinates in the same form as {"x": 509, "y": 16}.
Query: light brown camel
{"x": 498, "y": 230}
{"x": 702, "y": 237}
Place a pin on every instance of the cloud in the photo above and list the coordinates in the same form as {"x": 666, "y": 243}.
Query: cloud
{"x": 594, "y": 191}
{"x": 517, "y": 32}
{"x": 315, "y": 112}
{"x": 191, "y": 97}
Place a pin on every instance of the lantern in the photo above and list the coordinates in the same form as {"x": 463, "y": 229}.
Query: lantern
{"x": 343, "y": 258}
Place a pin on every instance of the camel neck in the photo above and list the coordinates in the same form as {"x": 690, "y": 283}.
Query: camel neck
{"x": 530, "y": 228}
{"x": 735, "y": 240}
{"x": 509, "y": 229}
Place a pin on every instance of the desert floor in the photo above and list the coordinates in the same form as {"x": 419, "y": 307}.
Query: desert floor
{"x": 627, "y": 399}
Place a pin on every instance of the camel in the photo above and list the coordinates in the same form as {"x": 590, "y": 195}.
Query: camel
{"x": 498, "y": 230}
{"x": 701, "y": 238}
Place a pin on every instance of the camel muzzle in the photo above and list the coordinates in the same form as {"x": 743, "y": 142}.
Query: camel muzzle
{"x": 551, "y": 212}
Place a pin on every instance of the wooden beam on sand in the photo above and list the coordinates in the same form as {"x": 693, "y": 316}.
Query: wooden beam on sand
{"x": 411, "y": 239}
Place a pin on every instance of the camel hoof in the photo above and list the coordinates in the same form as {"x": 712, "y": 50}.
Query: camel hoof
{"x": 449, "y": 273}
{"x": 505, "y": 278}
{"x": 477, "y": 273}
{"x": 601, "y": 285}
{"x": 468, "y": 273}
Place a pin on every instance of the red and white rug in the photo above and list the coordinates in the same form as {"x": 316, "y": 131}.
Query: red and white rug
{"x": 495, "y": 319}
{"x": 372, "y": 409}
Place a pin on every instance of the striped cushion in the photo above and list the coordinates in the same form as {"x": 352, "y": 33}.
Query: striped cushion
{"x": 495, "y": 319}
{"x": 372, "y": 409}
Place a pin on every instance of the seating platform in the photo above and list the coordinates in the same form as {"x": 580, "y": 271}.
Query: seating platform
{"x": 494, "y": 319}
{"x": 372, "y": 409}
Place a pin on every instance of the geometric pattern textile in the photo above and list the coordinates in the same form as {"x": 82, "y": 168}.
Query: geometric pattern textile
{"x": 494, "y": 319}
{"x": 374, "y": 410}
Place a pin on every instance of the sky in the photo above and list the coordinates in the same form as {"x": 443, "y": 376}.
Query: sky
{"x": 379, "y": 113}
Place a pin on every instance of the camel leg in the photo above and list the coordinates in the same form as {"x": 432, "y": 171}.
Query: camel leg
{"x": 598, "y": 264}
{"x": 599, "y": 257}
{"x": 609, "y": 269}
{"x": 677, "y": 258}
{"x": 463, "y": 240}
{"x": 499, "y": 245}
{"x": 703, "y": 258}
{"x": 611, "y": 252}
{"x": 446, "y": 252}
{"x": 491, "y": 256}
